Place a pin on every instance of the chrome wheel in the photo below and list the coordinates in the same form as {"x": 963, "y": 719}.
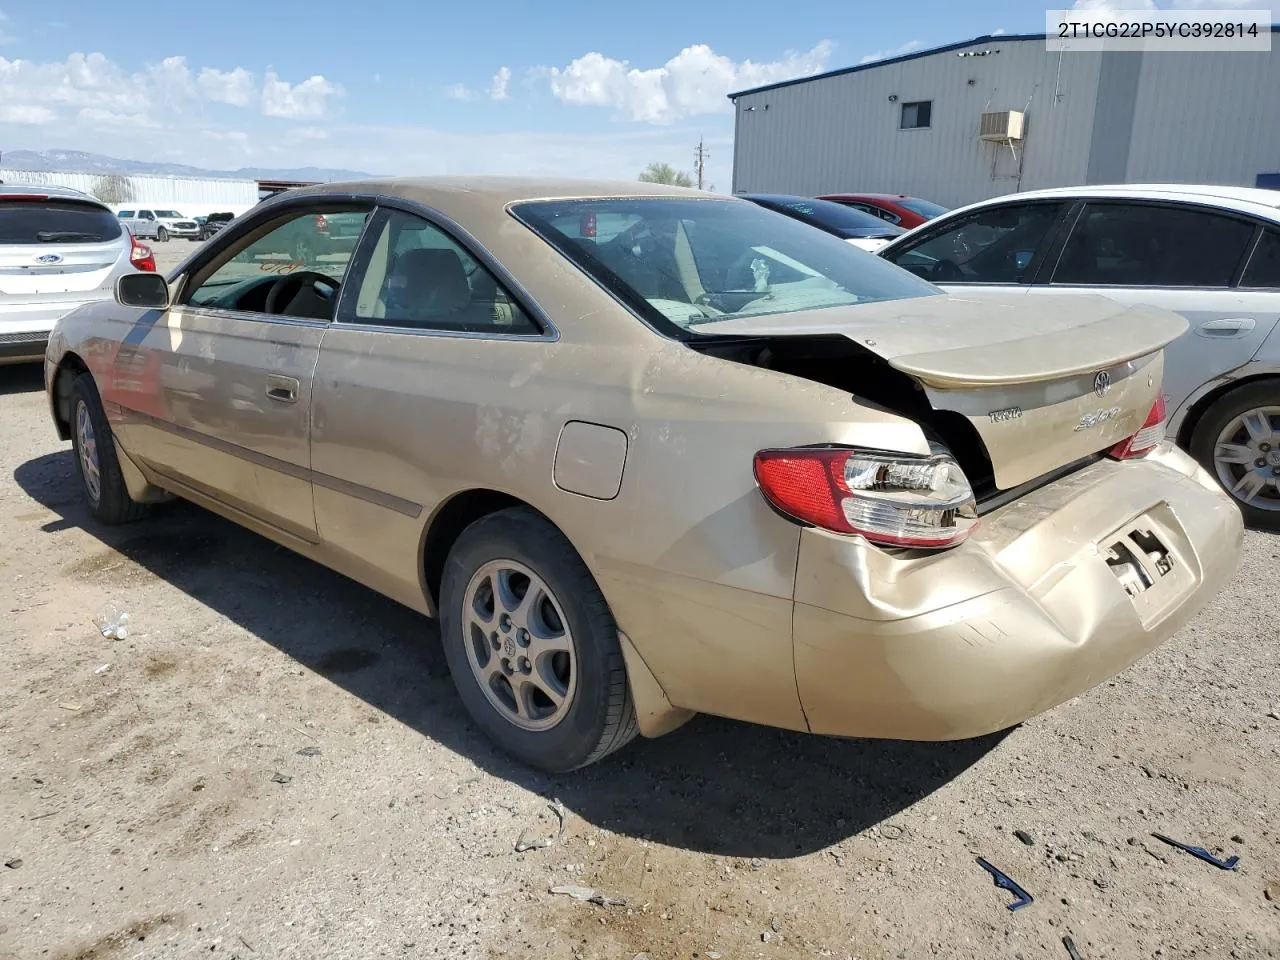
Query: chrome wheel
{"x": 519, "y": 645}
{"x": 1246, "y": 458}
{"x": 87, "y": 445}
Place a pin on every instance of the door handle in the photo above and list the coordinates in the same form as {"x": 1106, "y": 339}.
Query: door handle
{"x": 284, "y": 389}
{"x": 1227, "y": 326}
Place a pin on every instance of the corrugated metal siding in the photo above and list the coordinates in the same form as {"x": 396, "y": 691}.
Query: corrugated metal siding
{"x": 841, "y": 133}
{"x": 1214, "y": 119}
{"x": 191, "y": 196}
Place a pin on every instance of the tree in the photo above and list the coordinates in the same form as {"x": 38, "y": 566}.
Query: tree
{"x": 666, "y": 174}
{"x": 113, "y": 188}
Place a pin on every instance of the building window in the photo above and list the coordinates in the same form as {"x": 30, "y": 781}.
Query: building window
{"x": 916, "y": 115}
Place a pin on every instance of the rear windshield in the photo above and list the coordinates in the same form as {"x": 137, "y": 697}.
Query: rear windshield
{"x": 830, "y": 214}
{"x": 681, "y": 262}
{"x": 923, "y": 207}
{"x": 55, "y": 221}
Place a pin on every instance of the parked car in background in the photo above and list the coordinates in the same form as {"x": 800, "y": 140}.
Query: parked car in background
{"x": 864, "y": 231}
{"x": 647, "y": 452}
{"x": 213, "y": 223}
{"x": 1210, "y": 253}
{"x": 59, "y": 249}
{"x": 898, "y": 209}
{"x": 159, "y": 224}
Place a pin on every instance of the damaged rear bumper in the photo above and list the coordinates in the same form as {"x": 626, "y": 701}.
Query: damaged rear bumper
{"x": 1053, "y": 594}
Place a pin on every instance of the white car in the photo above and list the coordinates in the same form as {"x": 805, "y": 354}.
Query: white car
{"x": 1210, "y": 253}
{"x": 159, "y": 224}
{"x": 59, "y": 249}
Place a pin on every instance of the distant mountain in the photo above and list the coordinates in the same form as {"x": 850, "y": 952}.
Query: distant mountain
{"x": 77, "y": 161}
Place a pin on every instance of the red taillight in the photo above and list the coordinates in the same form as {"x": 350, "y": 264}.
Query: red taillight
{"x": 1148, "y": 438}
{"x": 321, "y": 223}
{"x": 24, "y": 197}
{"x": 141, "y": 256}
{"x": 895, "y": 499}
{"x": 587, "y": 227}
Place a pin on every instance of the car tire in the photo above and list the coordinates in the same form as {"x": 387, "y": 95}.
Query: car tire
{"x": 95, "y": 453}
{"x": 162, "y": 235}
{"x": 1225, "y": 422}
{"x": 582, "y": 660}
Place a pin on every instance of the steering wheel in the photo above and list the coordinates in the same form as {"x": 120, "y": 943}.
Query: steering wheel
{"x": 325, "y": 287}
{"x": 945, "y": 271}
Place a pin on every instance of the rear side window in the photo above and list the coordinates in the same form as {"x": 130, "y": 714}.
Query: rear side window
{"x": 125, "y": 214}
{"x": 55, "y": 221}
{"x": 1264, "y": 266}
{"x": 1143, "y": 245}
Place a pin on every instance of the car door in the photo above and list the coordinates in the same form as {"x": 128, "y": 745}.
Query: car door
{"x": 408, "y": 395}
{"x": 995, "y": 250}
{"x": 235, "y": 357}
{"x": 1182, "y": 257}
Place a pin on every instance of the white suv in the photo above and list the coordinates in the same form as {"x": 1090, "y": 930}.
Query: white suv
{"x": 159, "y": 224}
{"x": 59, "y": 248}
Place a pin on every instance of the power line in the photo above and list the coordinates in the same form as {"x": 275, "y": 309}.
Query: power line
{"x": 700, "y": 157}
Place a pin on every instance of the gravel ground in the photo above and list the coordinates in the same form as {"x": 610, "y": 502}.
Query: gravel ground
{"x": 274, "y": 764}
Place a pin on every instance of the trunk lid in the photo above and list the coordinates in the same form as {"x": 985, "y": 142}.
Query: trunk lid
{"x": 56, "y": 272}
{"x": 1043, "y": 384}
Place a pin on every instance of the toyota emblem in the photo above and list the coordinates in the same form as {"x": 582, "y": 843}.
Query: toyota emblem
{"x": 1102, "y": 383}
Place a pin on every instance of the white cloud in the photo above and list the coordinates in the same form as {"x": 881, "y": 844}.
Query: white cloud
{"x": 498, "y": 88}
{"x": 459, "y": 91}
{"x": 231, "y": 136}
{"x": 236, "y": 87}
{"x": 909, "y": 47}
{"x": 310, "y": 133}
{"x": 693, "y": 82}
{"x": 306, "y": 100}
{"x": 96, "y": 116}
{"x": 998, "y": 32}
{"x": 26, "y": 115}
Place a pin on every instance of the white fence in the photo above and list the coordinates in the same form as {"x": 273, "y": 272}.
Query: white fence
{"x": 190, "y": 196}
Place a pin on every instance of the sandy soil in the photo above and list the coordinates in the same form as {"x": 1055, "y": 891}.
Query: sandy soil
{"x": 274, "y": 764}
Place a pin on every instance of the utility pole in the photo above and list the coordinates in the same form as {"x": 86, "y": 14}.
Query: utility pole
{"x": 700, "y": 155}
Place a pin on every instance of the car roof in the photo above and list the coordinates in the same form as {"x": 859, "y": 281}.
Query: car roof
{"x": 1245, "y": 199}
{"x": 490, "y": 191}
{"x": 871, "y": 196}
{"x": 38, "y": 190}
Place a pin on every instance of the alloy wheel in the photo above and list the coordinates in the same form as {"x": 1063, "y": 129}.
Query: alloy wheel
{"x": 1246, "y": 458}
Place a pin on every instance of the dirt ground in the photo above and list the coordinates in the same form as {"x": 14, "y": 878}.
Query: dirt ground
{"x": 273, "y": 764}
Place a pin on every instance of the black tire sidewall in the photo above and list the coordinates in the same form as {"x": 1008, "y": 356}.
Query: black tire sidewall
{"x": 523, "y": 536}
{"x": 1211, "y": 424}
{"x": 114, "y": 504}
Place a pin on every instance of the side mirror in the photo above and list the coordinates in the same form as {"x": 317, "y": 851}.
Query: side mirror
{"x": 144, "y": 289}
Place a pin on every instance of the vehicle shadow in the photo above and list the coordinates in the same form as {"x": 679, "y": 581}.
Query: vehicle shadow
{"x": 714, "y": 786}
{"x": 21, "y": 377}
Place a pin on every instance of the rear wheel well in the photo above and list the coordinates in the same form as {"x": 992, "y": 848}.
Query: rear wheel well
{"x": 1198, "y": 409}
{"x": 70, "y": 367}
{"x": 458, "y": 513}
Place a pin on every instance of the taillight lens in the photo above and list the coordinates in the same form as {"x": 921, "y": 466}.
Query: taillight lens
{"x": 587, "y": 226}
{"x": 1148, "y": 438}
{"x": 894, "y": 499}
{"x": 140, "y": 255}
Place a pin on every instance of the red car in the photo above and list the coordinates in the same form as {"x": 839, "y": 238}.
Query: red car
{"x": 899, "y": 209}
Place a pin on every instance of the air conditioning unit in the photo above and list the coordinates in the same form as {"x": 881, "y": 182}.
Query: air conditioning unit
{"x": 1005, "y": 125}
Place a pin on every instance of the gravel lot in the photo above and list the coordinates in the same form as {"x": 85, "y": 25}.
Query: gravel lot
{"x": 274, "y": 764}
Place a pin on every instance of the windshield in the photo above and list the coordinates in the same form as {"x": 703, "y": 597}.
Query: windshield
{"x": 834, "y": 215}
{"x": 55, "y": 221}
{"x": 681, "y": 262}
{"x": 923, "y": 207}
{"x": 169, "y": 214}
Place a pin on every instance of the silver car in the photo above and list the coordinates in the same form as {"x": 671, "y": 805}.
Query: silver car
{"x": 59, "y": 248}
{"x": 1210, "y": 253}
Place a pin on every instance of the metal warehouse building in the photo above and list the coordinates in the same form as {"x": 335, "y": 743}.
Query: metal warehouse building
{"x": 191, "y": 196}
{"x": 1002, "y": 113}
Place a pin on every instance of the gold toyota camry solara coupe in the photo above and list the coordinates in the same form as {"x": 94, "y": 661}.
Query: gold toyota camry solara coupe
{"x": 647, "y": 452}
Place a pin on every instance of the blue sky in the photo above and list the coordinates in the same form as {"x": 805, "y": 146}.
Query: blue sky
{"x": 400, "y": 87}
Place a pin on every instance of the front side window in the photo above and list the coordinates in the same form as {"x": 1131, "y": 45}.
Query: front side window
{"x": 1147, "y": 245}
{"x": 1264, "y": 266}
{"x": 169, "y": 214}
{"x": 996, "y": 245}
{"x": 923, "y": 207}
{"x": 419, "y": 277}
{"x": 56, "y": 221}
{"x": 685, "y": 264}
{"x": 916, "y": 115}
{"x": 146, "y": 215}
{"x": 304, "y": 248}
